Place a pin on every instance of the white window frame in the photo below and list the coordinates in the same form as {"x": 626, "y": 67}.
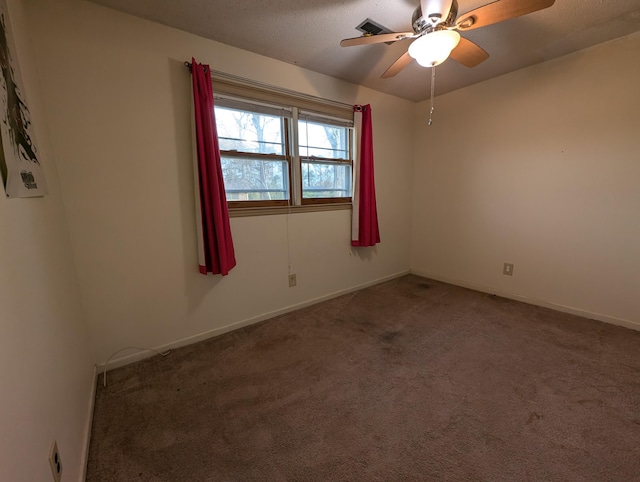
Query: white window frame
{"x": 335, "y": 122}
{"x": 285, "y": 116}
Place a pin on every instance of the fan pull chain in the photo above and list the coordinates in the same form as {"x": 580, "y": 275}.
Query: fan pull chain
{"x": 433, "y": 93}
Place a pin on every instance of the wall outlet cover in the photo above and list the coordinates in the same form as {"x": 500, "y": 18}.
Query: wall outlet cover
{"x": 55, "y": 462}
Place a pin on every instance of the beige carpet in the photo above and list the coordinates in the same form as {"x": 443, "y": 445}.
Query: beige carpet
{"x": 408, "y": 380}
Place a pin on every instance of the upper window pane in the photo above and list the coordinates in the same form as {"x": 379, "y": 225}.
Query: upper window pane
{"x": 323, "y": 140}
{"x": 252, "y": 132}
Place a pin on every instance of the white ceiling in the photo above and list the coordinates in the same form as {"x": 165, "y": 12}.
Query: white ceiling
{"x": 307, "y": 33}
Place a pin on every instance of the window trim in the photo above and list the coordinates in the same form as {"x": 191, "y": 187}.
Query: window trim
{"x": 302, "y": 106}
{"x": 279, "y": 210}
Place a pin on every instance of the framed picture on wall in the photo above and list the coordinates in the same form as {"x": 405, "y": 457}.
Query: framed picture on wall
{"x": 19, "y": 161}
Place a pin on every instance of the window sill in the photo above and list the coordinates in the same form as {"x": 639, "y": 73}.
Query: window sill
{"x": 272, "y": 210}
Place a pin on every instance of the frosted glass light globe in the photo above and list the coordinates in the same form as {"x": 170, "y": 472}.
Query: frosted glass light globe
{"x": 434, "y": 48}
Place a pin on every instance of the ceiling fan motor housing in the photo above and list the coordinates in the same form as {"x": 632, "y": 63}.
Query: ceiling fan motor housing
{"x": 436, "y": 15}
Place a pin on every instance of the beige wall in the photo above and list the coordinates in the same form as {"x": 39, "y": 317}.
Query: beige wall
{"x": 118, "y": 98}
{"x": 539, "y": 168}
{"x": 46, "y": 372}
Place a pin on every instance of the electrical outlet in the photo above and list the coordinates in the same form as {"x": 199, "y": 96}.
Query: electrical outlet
{"x": 508, "y": 269}
{"x": 55, "y": 462}
{"x": 292, "y": 280}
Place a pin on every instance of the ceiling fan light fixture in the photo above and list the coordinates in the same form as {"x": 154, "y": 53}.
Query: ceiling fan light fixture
{"x": 434, "y": 48}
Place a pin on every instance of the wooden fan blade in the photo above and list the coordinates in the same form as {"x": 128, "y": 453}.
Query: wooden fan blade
{"x": 468, "y": 53}
{"x": 376, "y": 39}
{"x": 499, "y": 11}
{"x": 395, "y": 68}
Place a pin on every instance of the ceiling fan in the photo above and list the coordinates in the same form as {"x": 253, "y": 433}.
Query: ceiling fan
{"x": 435, "y": 35}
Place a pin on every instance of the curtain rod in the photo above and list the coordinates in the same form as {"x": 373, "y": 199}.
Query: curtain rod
{"x": 223, "y": 75}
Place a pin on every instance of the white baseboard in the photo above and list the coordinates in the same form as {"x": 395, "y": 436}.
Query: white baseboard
{"x": 533, "y": 301}
{"x": 89, "y": 423}
{"x": 141, "y": 355}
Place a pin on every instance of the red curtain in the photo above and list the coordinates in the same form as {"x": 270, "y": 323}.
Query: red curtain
{"x": 216, "y": 248}
{"x": 365, "y": 230}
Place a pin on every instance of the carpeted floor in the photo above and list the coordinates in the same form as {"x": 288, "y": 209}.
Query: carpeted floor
{"x": 408, "y": 380}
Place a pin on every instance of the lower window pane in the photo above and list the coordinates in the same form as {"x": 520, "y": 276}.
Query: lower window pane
{"x": 255, "y": 180}
{"x": 321, "y": 180}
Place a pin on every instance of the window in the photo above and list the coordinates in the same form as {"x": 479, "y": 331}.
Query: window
{"x": 281, "y": 149}
{"x": 255, "y": 153}
{"x": 325, "y": 155}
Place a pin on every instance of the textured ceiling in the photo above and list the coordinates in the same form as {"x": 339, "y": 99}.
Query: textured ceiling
{"x": 307, "y": 33}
